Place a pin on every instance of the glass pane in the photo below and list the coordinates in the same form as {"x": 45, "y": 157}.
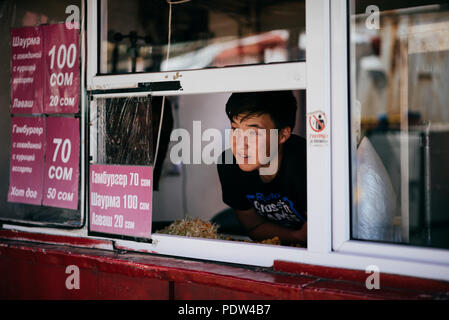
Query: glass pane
{"x": 17, "y": 14}
{"x": 122, "y": 176}
{"x": 134, "y": 34}
{"x": 124, "y": 131}
{"x": 400, "y": 121}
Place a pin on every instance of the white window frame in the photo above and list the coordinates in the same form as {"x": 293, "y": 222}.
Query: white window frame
{"x": 286, "y": 76}
{"x": 341, "y": 241}
{"x": 325, "y": 77}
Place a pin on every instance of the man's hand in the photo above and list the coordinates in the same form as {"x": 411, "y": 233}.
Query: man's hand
{"x": 259, "y": 229}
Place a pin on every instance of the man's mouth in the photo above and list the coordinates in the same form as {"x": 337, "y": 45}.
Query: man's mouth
{"x": 242, "y": 155}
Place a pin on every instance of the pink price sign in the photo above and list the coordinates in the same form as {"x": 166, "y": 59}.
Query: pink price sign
{"x": 27, "y": 160}
{"x": 62, "y": 163}
{"x": 61, "y": 49}
{"x": 121, "y": 200}
{"x": 26, "y": 70}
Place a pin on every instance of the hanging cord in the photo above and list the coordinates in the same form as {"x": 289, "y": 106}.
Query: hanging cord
{"x": 167, "y": 56}
{"x": 183, "y": 173}
{"x": 170, "y": 4}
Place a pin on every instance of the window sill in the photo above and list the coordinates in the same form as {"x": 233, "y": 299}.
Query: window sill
{"x": 178, "y": 278}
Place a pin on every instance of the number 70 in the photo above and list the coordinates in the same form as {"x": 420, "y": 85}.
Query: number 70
{"x": 65, "y": 150}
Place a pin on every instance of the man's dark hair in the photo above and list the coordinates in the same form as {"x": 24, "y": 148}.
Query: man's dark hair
{"x": 279, "y": 105}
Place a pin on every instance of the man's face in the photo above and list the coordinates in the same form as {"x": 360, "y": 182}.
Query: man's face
{"x": 250, "y": 140}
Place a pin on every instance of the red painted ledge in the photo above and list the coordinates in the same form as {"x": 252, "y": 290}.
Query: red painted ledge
{"x": 359, "y": 276}
{"x": 55, "y": 239}
{"x": 33, "y": 266}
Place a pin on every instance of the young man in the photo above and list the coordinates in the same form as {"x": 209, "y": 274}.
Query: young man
{"x": 271, "y": 202}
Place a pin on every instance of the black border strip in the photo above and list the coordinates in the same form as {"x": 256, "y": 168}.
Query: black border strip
{"x": 124, "y": 90}
{"x": 143, "y": 87}
{"x": 349, "y": 131}
{"x": 98, "y": 26}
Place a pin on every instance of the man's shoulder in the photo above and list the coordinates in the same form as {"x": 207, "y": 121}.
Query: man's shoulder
{"x": 226, "y": 157}
{"x": 295, "y": 155}
{"x": 226, "y": 162}
{"x": 296, "y": 145}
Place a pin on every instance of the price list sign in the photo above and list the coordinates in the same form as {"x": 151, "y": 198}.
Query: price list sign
{"x": 61, "y": 89}
{"x": 44, "y": 166}
{"x": 27, "y": 160}
{"x": 61, "y": 163}
{"x": 26, "y": 70}
{"x": 121, "y": 200}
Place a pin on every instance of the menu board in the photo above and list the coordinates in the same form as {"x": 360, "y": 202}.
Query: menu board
{"x": 61, "y": 163}
{"x": 27, "y": 160}
{"x": 121, "y": 200}
{"x": 45, "y": 69}
{"x": 26, "y": 70}
{"x": 44, "y": 79}
{"x": 61, "y": 86}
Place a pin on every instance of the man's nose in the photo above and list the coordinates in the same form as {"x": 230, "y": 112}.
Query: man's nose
{"x": 242, "y": 140}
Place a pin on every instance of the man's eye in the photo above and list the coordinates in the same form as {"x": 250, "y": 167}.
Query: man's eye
{"x": 236, "y": 131}
{"x": 253, "y": 133}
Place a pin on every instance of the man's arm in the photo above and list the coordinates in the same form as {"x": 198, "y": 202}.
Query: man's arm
{"x": 259, "y": 228}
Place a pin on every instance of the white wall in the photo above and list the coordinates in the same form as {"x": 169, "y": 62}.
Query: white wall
{"x": 203, "y": 189}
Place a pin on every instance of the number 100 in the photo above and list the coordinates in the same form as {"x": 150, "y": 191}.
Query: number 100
{"x": 130, "y": 201}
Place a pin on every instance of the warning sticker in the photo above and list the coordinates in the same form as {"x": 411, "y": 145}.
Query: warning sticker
{"x": 318, "y": 128}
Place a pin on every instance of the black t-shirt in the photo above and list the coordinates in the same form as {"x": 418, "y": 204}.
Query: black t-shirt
{"x": 282, "y": 200}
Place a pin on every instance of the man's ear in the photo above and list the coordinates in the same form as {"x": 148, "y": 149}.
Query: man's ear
{"x": 284, "y": 134}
